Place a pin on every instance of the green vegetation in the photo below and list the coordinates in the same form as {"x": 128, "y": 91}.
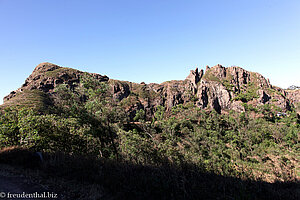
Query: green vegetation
{"x": 297, "y": 107}
{"x": 210, "y": 77}
{"x": 143, "y": 92}
{"x": 55, "y": 73}
{"x": 229, "y": 86}
{"x": 247, "y": 93}
{"x": 175, "y": 147}
{"x": 140, "y": 115}
{"x": 34, "y": 99}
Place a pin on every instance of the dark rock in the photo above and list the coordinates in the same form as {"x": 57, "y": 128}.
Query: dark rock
{"x": 195, "y": 76}
{"x": 216, "y": 105}
{"x": 120, "y": 91}
{"x": 263, "y": 96}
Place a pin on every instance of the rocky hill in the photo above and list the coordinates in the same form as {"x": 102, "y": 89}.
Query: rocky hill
{"x": 219, "y": 88}
{"x": 222, "y": 133}
{"x": 293, "y": 87}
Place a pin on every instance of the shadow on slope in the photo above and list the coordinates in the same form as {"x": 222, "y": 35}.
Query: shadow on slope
{"x": 125, "y": 180}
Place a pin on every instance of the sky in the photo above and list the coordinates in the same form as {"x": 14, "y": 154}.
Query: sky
{"x": 149, "y": 40}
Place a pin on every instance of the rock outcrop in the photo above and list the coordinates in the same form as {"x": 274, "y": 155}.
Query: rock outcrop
{"x": 46, "y": 76}
{"x": 219, "y": 88}
{"x": 195, "y": 76}
{"x": 294, "y": 97}
{"x": 293, "y": 87}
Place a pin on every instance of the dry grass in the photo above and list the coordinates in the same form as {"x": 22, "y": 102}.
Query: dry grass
{"x": 35, "y": 99}
{"x": 58, "y": 71}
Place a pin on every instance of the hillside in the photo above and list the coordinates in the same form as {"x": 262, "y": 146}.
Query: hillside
{"x": 218, "y": 88}
{"x": 222, "y": 133}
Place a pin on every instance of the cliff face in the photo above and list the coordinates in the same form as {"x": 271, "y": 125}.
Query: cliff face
{"x": 294, "y": 97}
{"x": 218, "y": 88}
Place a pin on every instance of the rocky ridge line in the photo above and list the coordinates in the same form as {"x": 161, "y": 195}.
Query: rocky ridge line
{"x": 218, "y": 88}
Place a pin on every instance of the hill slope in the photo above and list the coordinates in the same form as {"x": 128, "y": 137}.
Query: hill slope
{"x": 224, "y": 133}
{"x": 218, "y": 88}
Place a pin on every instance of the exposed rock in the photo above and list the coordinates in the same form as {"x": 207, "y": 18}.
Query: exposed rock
{"x": 174, "y": 93}
{"x": 215, "y": 94}
{"x": 237, "y": 106}
{"x": 240, "y": 76}
{"x": 207, "y": 68}
{"x": 100, "y": 77}
{"x": 43, "y": 67}
{"x": 214, "y": 89}
{"x": 202, "y": 96}
{"x": 293, "y": 87}
{"x": 46, "y": 76}
{"x": 120, "y": 90}
{"x": 293, "y": 96}
{"x": 218, "y": 71}
{"x": 195, "y": 76}
{"x": 263, "y": 96}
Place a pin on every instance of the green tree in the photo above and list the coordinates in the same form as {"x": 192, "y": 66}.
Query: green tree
{"x": 159, "y": 114}
{"x": 140, "y": 116}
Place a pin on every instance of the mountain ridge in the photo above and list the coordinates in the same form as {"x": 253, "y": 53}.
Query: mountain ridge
{"x": 218, "y": 87}
{"x": 224, "y": 121}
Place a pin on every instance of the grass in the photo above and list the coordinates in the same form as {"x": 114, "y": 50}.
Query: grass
{"x": 209, "y": 77}
{"x": 229, "y": 77}
{"x": 35, "y": 99}
{"x": 143, "y": 91}
{"x": 55, "y": 73}
{"x": 118, "y": 82}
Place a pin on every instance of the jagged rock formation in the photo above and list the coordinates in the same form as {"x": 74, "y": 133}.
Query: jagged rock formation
{"x": 219, "y": 88}
{"x": 294, "y": 98}
{"x": 195, "y": 76}
{"x": 293, "y": 87}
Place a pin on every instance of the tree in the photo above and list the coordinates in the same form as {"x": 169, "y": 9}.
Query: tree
{"x": 140, "y": 116}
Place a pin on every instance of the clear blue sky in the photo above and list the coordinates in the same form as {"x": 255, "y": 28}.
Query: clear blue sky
{"x": 149, "y": 40}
